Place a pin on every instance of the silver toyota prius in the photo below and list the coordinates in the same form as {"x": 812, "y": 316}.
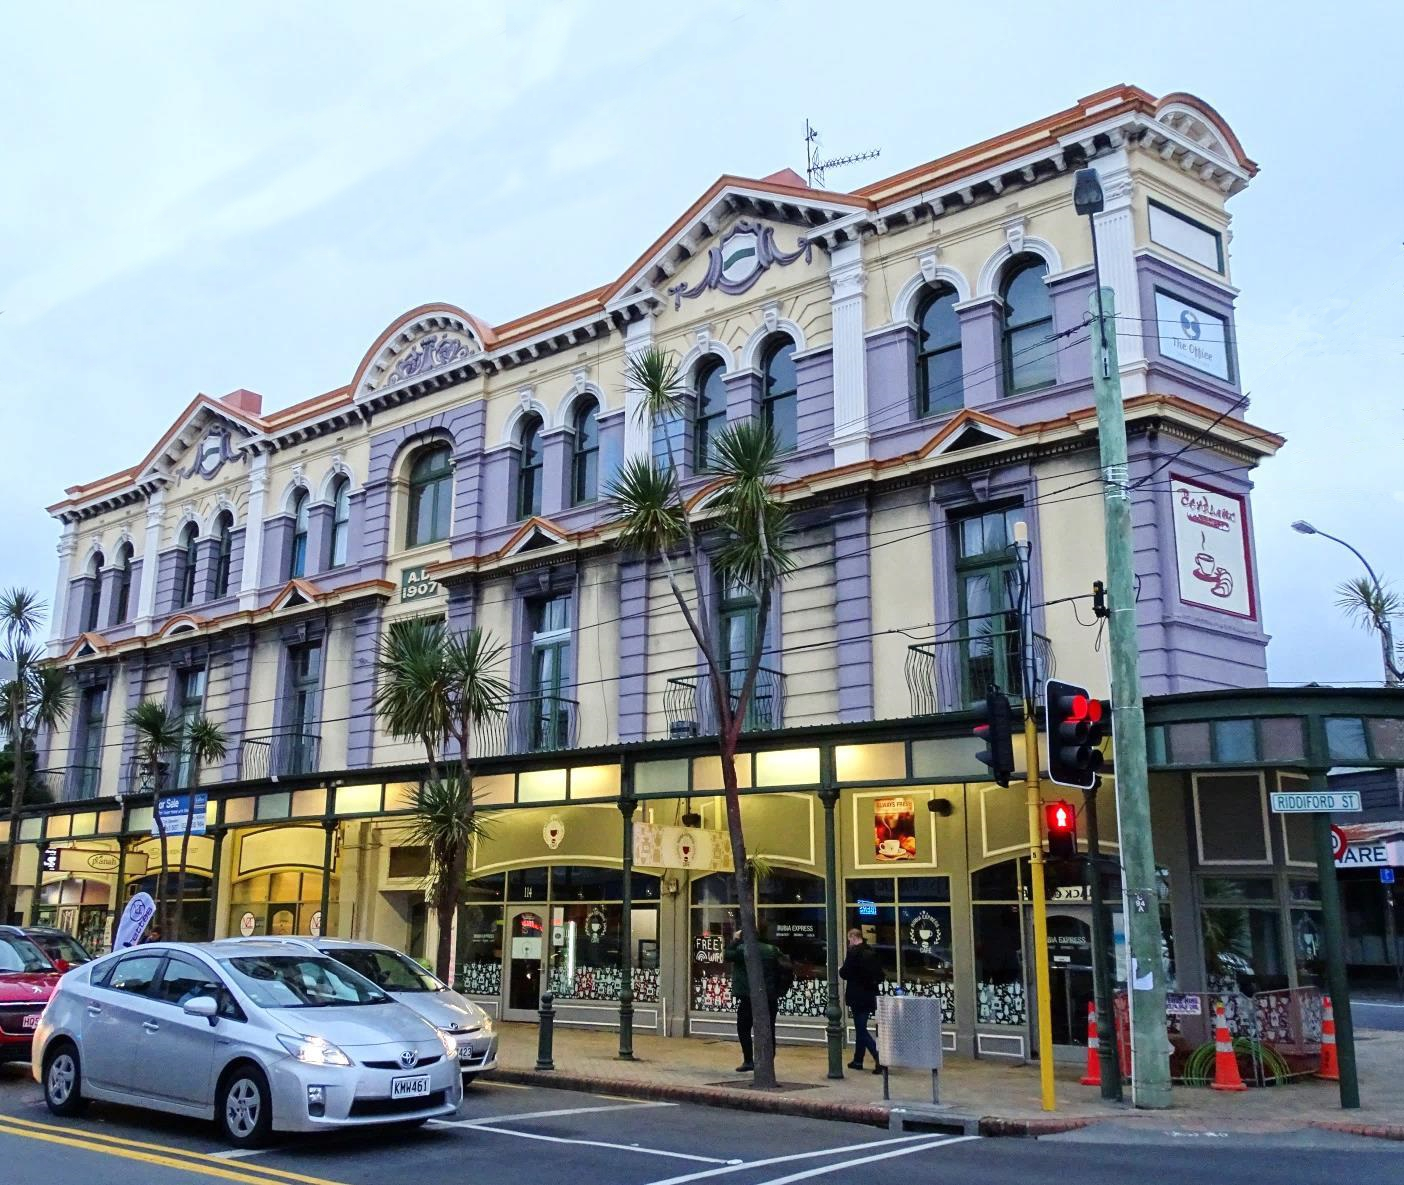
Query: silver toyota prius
{"x": 254, "y": 1036}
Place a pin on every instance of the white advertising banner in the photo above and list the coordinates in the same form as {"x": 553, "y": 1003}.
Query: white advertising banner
{"x": 659, "y": 846}
{"x": 135, "y": 918}
{"x": 1193, "y": 336}
{"x": 1211, "y": 548}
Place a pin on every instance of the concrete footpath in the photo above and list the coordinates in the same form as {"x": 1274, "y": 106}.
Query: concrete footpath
{"x": 993, "y": 1098}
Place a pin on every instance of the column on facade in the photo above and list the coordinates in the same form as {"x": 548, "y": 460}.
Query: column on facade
{"x": 633, "y": 650}
{"x": 847, "y": 278}
{"x": 109, "y": 579}
{"x": 980, "y": 349}
{"x": 360, "y": 729}
{"x": 555, "y": 470}
{"x": 470, "y": 437}
{"x": 853, "y": 610}
{"x": 58, "y": 625}
{"x": 319, "y": 525}
{"x": 638, "y": 337}
{"x": 1116, "y": 247}
{"x": 206, "y": 557}
{"x": 82, "y": 588}
{"x": 150, "y": 562}
{"x": 237, "y": 699}
{"x": 251, "y": 570}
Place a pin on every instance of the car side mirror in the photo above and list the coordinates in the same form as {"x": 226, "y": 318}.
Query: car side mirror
{"x": 205, "y": 1006}
{"x": 62, "y": 965}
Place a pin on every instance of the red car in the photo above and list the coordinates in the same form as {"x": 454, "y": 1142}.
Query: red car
{"x": 27, "y": 980}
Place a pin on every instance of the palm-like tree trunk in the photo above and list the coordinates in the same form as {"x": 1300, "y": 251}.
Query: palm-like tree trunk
{"x": 7, "y": 890}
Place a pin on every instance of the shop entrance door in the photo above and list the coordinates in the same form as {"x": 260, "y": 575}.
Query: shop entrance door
{"x": 1070, "y": 974}
{"x": 525, "y": 949}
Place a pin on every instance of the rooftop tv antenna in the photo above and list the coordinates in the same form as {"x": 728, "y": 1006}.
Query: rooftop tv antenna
{"x": 814, "y": 167}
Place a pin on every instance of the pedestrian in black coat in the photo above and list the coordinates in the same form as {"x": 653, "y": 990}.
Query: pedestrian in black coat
{"x": 862, "y": 975}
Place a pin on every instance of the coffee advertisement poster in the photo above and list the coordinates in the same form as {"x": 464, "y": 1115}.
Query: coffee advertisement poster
{"x": 894, "y": 830}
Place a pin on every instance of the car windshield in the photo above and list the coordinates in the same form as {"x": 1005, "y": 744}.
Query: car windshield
{"x": 388, "y": 969}
{"x": 301, "y": 981}
{"x": 19, "y": 954}
{"x": 62, "y": 946}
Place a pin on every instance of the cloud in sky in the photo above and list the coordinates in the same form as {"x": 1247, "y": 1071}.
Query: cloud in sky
{"x": 205, "y": 196}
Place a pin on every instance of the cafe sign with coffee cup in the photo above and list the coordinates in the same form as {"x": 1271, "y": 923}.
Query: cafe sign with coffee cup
{"x": 1211, "y": 548}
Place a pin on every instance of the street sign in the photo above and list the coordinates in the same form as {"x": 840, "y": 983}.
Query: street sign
{"x": 1315, "y": 801}
{"x": 173, "y": 809}
{"x": 1386, "y": 876}
{"x": 1339, "y": 842}
{"x": 1368, "y": 854}
{"x": 49, "y": 862}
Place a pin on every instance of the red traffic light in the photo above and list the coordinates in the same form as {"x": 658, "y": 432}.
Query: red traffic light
{"x": 1060, "y": 816}
{"x": 1060, "y": 820}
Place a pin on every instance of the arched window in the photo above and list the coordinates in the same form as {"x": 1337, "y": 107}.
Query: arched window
{"x": 124, "y": 585}
{"x": 341, "y": 521}
{"x": 710, "y": 415}
{"x": 585, "y": 455}
{"x": 430, "y": 497}
{"x": 90, "y": 618}
{"x": 938, "y": 386}
{"x": 297, "y": 557}
{"x": 529, "y": 468}
{"x": 1028, "y": 325}
{"x": 778, "y": 397}
{"x": 224, "y": 538}
{"x": 185, "y": 572}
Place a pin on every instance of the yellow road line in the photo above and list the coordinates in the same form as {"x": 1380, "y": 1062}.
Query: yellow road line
{"x": 162, "y": 1154}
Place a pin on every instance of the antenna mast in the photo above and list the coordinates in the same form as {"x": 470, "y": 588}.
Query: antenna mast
{"x": 814, "y": 167}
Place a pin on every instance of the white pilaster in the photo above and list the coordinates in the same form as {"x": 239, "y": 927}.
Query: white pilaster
{"x": 150, "y": 561}
{"x": 58, "y": 608}
{"x": 638, "y": 337}
{"x": 251, "y": 577}
{"x": 847, "y": 278}
{"x": 1116, "y": 246}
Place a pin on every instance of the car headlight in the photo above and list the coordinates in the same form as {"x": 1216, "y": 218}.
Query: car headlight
{"x": 314, "y": 1051}
{"x": 487, "y": 1025}
{"x": 449, "y": 1041}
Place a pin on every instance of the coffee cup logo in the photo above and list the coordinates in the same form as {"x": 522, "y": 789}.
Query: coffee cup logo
{"x": 553, "y": 832}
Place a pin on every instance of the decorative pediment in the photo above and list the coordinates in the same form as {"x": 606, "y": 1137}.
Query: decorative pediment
{"x": 427, "y": 342}
{"x": 969, "y": 429}
{"x": 181, "y": 623}
{"x": 534, "y": 533}
{"x": 741, "y": 257}
{"x": 296, "y": 593}
{"x": 88, "y": 645}
{"x": 208, "y": 436}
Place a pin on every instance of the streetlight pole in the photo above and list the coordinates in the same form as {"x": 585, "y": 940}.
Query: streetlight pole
{"x": 1150, "y": 1065}
{"x": 1386, "y": 631}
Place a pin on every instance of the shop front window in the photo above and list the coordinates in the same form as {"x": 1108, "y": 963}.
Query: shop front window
{"x": 479, "y": 945}
{"x": 281, "y": 903}
{"x": 912, "y": 937}
{"x": 1000, "y": 995}
{"x": 1242, "y": 938}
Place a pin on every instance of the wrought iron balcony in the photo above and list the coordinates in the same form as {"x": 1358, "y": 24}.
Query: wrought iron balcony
{"x": 48, "y": 782}
{"x": 141, "y": 777}
{"x": 282, "y": 753}
{"x": 530, "y": 724}
{"x": 954, "y": 672}
{"x": 82, "y": 781}
{"x": 691, "y": 708}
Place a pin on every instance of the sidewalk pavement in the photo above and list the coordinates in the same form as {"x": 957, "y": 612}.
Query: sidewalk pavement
{"x": 993, "y": 1097}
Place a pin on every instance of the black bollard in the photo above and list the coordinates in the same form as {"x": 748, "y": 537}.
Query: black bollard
{"x": 545, "y": 1033}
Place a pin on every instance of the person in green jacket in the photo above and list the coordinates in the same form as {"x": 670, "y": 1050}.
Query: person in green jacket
{"x": 741, "y": 991}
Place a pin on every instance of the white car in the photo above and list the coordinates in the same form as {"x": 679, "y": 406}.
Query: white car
{"x": 395, "y": 972}
{"x": 254, "y": 1035}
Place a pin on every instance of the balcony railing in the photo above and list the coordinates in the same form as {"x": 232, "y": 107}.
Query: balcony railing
{"x": 279, "y": 754}
{"x": 691, "y": 708}
{"x": 954, "y": 672}
{"x": 82, "y": 781}
{"x": 530, "y": 724}
{"x": 49, "y": 782}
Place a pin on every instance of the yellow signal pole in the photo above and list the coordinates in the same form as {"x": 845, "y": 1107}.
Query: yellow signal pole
{"x": 1033, "y": 795}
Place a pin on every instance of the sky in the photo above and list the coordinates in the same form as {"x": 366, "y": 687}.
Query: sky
{"x": 201, "y": 197}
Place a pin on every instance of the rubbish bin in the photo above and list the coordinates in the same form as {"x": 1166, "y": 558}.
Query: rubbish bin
{"x": 909, "y": 1034}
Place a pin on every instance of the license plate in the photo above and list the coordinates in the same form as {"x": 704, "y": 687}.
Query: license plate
{"x": 410, "y": 1088}
{"x": 30, "y": 1021}
{"x": 471, "y": 1051}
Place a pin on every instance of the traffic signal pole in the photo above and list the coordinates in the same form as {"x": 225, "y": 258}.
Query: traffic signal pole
{"x": 1150, "y": 1064}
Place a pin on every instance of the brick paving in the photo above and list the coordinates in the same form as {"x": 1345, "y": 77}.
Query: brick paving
{"x": 996, "y": 1097}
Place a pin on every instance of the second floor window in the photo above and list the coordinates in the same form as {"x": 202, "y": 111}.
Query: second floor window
{"x": 123, "y": 594}
{"x": 90, "y": 616}
{"x": 189, "y": 706}
{"x": 87, "y": 769}
{"x": 529, "y": 467}
{"x": 549, "y": 674}
{"x": 938, "y": 386}
{"x": 430, "y": 497}
{"x": 778, "y": 400}
{"x": 987, "y": 593}
{"x": 295, "y": 751}
{"x": 585, "y": 455}
{"x": 297, "y": 557}
{"x": 1029, "y": 353}
{"x": 224, "y": 550}
{"x": 185, "y": 568}
{"x": 710, "y": 416}
{"x": 341, "y": 522}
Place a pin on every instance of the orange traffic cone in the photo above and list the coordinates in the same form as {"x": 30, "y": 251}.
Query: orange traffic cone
{"x": 1093, "y": 1077}
{"x": 1226, "y": 1075}
{"x": 1330, "y": 1068}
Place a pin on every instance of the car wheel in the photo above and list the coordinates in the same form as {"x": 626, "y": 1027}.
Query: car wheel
{"x": 63, "y": 1080}
{"x": 244, "y": 1107}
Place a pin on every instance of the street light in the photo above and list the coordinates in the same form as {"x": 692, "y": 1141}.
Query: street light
{"x": 1088, "y": 199}
{"x": 1302, "y": 527}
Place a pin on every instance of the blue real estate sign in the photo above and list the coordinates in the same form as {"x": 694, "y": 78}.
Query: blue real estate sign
{"x": 172, "y": 810}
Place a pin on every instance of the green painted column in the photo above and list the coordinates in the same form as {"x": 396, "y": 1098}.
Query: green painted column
{"x": 1331, "y": 922}
{"x": 627, "y": 805}
{"x": 834, "y": 937}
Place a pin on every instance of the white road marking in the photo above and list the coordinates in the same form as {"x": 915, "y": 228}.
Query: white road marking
{"x": 744, "y": 1166}
{"x": 507, "y": 1131}
{"x": 494, "y": 1120}
{"x": 237, "y": 1153}
{"x": 823, "y": 1170}
{"x": 1373, "y": 1004}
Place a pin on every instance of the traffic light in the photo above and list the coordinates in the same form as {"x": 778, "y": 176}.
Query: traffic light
{"x": 1076, "y": 725}
{"x": 1060, "y": 821}
{"x": 994, "y": 730}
